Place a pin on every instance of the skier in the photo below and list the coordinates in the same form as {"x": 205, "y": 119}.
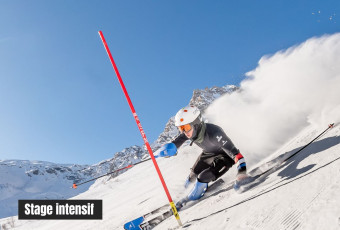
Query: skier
{"x": 218, "y": 156}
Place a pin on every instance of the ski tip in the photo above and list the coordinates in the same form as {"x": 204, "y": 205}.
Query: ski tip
{"x": 74, "y": 186}
{"x": 134, "y": 225}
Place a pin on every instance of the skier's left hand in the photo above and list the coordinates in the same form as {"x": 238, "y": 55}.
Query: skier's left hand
{"x": 167, "y": 150}
{"x": 241, "y": 176}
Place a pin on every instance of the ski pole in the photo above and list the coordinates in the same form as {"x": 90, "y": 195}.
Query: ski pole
{"x": 117, "y": 170}
{"x": 329, "y": 127}
{"x": 173, "y": 206}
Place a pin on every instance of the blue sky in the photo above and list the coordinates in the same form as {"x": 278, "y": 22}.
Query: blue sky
{"x": 60, "y": 100}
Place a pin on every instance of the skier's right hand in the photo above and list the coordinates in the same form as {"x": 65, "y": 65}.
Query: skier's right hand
{"x": 167, "y": 150}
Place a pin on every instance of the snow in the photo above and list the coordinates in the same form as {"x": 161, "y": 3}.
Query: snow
{"x": 302, "y": 193}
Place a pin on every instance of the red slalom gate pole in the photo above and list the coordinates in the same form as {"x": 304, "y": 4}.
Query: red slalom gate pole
{"x": 173, "y": 206}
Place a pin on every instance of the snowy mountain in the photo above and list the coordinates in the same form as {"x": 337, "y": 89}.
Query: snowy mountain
{"x": 203, "y": 98}
{"x": 22, "y": 179}
{"x": 45, "y": 180}
{"x": 33, "y": 179}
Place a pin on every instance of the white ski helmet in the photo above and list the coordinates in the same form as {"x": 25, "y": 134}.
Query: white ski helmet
{"x": 187, "y": 115}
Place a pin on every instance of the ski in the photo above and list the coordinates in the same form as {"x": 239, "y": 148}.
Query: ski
{"x": 142, "y": 223}
{"x": 163, "y": 212}
{"x": 134, "y": 224}
{"x": 150, "y": 224}
{"x": 239, "y": 187}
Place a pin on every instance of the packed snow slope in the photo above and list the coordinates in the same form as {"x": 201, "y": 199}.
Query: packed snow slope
{"x": 301, "y": 194}
{"x": 287, "y": 100}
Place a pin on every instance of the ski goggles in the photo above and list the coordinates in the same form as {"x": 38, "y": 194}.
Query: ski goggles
{"x": 185, "y": 128}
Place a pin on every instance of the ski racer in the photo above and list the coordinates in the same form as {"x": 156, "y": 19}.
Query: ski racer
{"x": 218, "y": 156}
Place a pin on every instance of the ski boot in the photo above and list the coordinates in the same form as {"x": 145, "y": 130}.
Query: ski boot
{"x": 196, "y": 193}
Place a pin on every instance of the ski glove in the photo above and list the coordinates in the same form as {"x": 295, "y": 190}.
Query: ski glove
{"x": 167, "y": 150}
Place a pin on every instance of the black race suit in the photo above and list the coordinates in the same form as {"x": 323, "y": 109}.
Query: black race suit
{"x": 219, "y": 153}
